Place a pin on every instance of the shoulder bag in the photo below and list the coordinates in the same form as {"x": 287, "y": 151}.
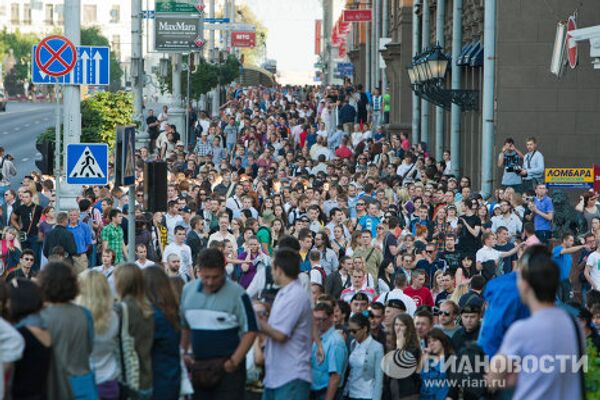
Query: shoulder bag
{"x": 130, "y": 364}
{"x": 84, "y": 386}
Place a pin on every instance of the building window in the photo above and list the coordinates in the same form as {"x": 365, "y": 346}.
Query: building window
{"x": 116, "y": 45}
{"x": 115, "y": 14}
{"x": 2, "y": 10}
{"x": 89, "y": 14}
{"x": 14, "y": 13}
{"x": 27, "y": 14}
{"x": 60, "y": 14}
{"x": 49, "y": 14}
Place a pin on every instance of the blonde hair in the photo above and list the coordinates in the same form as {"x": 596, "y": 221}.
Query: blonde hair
{"x": 95, "y": 294}
{"x": 459, "y": 292}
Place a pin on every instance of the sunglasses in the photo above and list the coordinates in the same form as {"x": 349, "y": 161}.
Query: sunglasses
{"x": 446, "y": 313}
{"x": 360, "y": 204}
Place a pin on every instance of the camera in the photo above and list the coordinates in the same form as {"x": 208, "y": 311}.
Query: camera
{"x": 514, "y": 168}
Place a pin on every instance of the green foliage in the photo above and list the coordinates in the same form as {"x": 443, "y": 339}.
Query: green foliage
{"x": 100, "y": 115}
{"x": 205, "y": 77}
{"x": 93, "y": 37}
{"x": 20, "y": 44}
{"x": 592, "y": 376}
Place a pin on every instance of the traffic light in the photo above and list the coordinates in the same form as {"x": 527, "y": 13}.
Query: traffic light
{"x": 46, "y": 164}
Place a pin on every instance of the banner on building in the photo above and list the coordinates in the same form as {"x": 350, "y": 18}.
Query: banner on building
{"x": 318, "y": 30}
{"x": 175, "y": 33}
{"x": 569, "y": 178}
{"x": 363, "y": 15}
{"x": 243, "y": 39}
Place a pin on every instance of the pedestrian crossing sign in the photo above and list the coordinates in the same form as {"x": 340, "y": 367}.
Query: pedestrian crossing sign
{"x": 87, "y": 164}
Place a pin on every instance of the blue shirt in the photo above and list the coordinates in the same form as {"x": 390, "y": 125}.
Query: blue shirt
{"x": 564, "y": 261}
{"x": 336, "y": 356}
{"x": 544, "y": 205}
{"x": 369, "y": 222}
{"x": 83, "y": 236}
{"x": 504, "y": 308}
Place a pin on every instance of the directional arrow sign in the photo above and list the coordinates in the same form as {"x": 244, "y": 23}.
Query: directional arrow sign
{"x": 92, "y": 68}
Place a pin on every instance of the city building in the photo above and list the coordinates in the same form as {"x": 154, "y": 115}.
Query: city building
{"x": 528, "y": 100}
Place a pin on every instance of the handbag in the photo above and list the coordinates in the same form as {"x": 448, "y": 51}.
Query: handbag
{"x": 206, "y": 374}
{"x": 130, "y": 365}
{"x": 84, "y": 386}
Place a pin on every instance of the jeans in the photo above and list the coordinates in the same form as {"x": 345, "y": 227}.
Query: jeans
{"x": 293, "y": 390}
{"x": 564, "y": 291}
{"x": 544, "y": 236}
{"x": 375, "y": 119}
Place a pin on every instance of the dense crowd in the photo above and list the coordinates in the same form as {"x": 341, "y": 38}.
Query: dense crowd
{"x": 305, "y": 252}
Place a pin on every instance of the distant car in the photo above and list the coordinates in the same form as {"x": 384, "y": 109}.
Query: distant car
{"x": 2, "y": 101}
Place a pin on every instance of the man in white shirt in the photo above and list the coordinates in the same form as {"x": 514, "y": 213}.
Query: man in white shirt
{"x": 223, "y": 232}
{"x": 400, "y": 283}
{"x": 592, "y": 267}
{"x": 234, "y": 203}
{"x": 141, "y": 252}
{"x": 533, "y": 166}
{"x": 488, "y": 253}
{"x": 172, "y": 219}
{"x": 182, "y": 250}
{"x": 507, "y": 219}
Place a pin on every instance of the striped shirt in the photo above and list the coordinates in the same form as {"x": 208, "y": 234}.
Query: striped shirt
{"x": 217, "y": 320}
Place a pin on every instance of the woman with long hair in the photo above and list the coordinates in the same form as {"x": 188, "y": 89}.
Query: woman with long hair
{"x": 277, "y": 231}
{"x": 436, "y": 283}
{"x": 24, "y": 307}
{"x": 10, "y": 249}
{"x": 435, "y": 384}
{"x": 588, "y": 208}
{"x": 329, "y": 258}
{"x": 339, "y": 242}
{"x": 406, "y": 346}
{"x": 267, "y": 213}
{"x": 385, "y": 277}
{"x": 166, "y": 358}
{"x": 159, "y": 235}
{"x": 354, "y": 243}
{"x": 68, "y": 324}
{"x": 95, "y": 294}
{"x": 484, "y": 215}
{"x": 131, "y": 290}
{"x": 440, "y": 228}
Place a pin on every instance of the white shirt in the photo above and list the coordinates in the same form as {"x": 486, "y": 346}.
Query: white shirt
{"x": 486, "y": 254}
{"x": 11, "y": 348}
{"x": 220, "y": 237}
{"x": 358, "y": 387}
{"x": 398, "y": 294}
{"x": 185, "y": 255}
{"x": 147, "y": 264}
{"x": 593, "y": 262}
{"x": 235, "y": 205}
{"x": 512, "y": 223}
{"x": 172, "y": 222}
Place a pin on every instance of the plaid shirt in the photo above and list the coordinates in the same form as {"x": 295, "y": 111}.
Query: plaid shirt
{"x": 203, "y": 149}
{"x": 114, "y": 236}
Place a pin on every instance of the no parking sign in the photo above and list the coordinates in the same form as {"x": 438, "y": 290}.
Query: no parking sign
{"x": 56, "y": 55}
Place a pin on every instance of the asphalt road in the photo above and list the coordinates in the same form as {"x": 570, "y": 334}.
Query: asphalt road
{"x": 19, "y": 127}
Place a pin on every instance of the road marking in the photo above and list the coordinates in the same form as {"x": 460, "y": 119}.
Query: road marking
{"x": 22, "y": 111}
{"x": 5, "y": 133}
{"x": 46, "y": 119}
{"x": 17, "y": 128}
{"x": 25, "y": 159}
{"x": 26, "y": 125}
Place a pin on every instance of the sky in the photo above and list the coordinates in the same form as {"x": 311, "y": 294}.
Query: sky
{"x": 291, "y": 35}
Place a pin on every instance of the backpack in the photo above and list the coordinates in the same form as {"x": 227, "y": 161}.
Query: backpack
{"x": 2, "y": 167}
{"x": 323, "y": 274}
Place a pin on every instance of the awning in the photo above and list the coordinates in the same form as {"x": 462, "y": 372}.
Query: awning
{"x": 477, "y": 58}
{"x": 471, "y": 55}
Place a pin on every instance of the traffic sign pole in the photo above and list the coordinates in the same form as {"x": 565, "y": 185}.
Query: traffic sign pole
{"x": 57, "y": 148}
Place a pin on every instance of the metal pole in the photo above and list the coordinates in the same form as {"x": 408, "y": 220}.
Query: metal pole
{"x": 368, "y": 57}
{"x": 376, "y": 26}
{"x": 131, "y": 224}
{"x": 425, "y": 43}
{"x": 456, "y": 77}
{"x": 211, "y": 36}
{"x": 188, "y": 102}
{"x": 326, "y": 57}
{"x": 137, "y": 71}
{"x": 489, "y": 66}
{"x": 176, "y": 83}
{"x": 57, "y": 148}
{"x": 71, "y": 102}
{"x": 416, "y": 46}
{"x": 439, "y": 111}
{"x": 384, "y": 33}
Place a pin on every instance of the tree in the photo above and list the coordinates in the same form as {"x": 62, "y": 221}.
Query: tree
{"x": 252, "y": 56}
{"x": 15, "y": 55}
{"x": 100, "y": 115}
{"x": 93, "y": 37}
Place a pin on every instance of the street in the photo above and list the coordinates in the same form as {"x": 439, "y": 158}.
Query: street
{"x": 19, "y": 127}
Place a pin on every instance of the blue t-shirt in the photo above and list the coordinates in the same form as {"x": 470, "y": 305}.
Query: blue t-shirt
{"x": 336, "y": 354}
{"x": 564, "y": 262}
{"x": 369, "y": 222}
{"x": 545, "y": 206}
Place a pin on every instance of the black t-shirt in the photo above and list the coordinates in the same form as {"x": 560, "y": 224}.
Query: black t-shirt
{"x": 506, "y": 261}
{"x": 468, "y": 243}
{"x": 25, "y": 214}
{"x": 452, "y": 258}
{"x": 153, "y": 131}
{"x": 390, "y": 240}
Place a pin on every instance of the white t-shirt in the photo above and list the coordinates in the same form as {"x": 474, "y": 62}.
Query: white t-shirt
{"x": 486, "y": 254}
{"x": 185, "y": 255}
{"x": 145, "y": 264}
{"x": 593, "y": 262}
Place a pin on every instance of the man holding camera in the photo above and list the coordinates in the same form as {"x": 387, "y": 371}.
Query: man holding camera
{"x": 510, "y": 159}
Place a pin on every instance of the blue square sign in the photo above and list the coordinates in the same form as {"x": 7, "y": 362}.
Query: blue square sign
{"x": 87, "y": 164}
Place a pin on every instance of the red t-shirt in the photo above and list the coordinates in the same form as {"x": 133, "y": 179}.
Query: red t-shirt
{"x": 420, "y": 296}
{"x": 303, "y": 136}
{"x": 343, "y": 152}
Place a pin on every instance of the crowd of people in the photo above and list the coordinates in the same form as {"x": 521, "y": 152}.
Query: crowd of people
{"x": 305, "y": 252}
